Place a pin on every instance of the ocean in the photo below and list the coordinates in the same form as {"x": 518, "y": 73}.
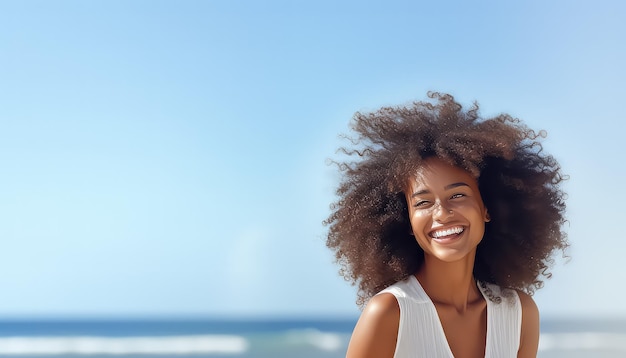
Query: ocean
{"x": 267, "y": 338}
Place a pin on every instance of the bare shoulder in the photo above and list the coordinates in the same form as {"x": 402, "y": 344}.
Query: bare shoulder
{"x": 529, "y": 340}
{"x": 376, "y": 331}
{"x": 382, "y": 306}
{"x": 527, "y": 301}
{"x": 530, "y": 312}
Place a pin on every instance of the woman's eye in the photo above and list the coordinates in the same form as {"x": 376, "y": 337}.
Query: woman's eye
{"x": 420, "y": 203}
{"x": 455, "y": 196}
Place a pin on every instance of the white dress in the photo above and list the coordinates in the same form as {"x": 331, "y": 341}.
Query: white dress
{"x": 420, "y": 333}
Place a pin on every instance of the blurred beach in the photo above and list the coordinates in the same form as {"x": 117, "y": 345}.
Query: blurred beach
{"x": 268, "y": 338}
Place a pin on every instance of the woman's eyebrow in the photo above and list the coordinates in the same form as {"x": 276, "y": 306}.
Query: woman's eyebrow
{"x": 447, "y": 187}
{"x": 417, "y": 193}
{"x": 455, "y": 185}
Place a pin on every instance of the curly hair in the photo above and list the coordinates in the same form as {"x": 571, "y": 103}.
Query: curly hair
{"x": 369, "y": 228}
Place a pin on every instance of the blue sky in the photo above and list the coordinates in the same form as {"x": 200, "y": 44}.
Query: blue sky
{"x": 168, "y": 157}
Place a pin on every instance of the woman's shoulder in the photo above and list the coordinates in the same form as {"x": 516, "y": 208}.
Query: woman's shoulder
{"x": 529, "y": 340}
{"x": 527, "y": 302}
{"x": 376, "y": 331}
{"x": 530, "y": 312}
{"x": 519, "y": 309}
{"x": 382, "y": 306}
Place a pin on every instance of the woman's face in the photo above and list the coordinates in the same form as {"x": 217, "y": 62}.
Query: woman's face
{"x": 446, "y": 210}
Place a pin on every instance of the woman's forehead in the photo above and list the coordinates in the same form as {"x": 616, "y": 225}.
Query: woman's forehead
{"x": 434, "y": 171}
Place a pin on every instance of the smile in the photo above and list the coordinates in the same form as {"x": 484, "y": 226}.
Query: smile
{"x": 446, "y": 232}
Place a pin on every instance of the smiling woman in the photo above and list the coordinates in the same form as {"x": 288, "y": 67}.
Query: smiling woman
{"x": 446, "y": 211}
{"x": 446, "y": 221}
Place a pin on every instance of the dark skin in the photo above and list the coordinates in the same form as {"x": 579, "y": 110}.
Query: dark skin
{"x": 443, "y": 199}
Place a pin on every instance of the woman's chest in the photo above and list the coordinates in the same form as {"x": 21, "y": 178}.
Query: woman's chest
{"x": 466, "y": 333}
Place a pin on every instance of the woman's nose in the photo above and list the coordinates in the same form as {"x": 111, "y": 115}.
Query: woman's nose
{"x": 442, "y": 212}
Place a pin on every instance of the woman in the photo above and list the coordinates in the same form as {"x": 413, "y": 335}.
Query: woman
{"x": 446, "y": 221}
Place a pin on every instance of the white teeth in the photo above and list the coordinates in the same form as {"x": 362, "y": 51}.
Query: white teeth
{"x": 441, "y": 233}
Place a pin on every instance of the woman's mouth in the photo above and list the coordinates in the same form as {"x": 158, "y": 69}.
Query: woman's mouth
{"x": 447, "y": 235}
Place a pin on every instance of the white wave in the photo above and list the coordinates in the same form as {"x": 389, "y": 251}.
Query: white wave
{"x": 312, "y": 337}
{"x": 222, "y": 344}
{"x": 583, "y": 341}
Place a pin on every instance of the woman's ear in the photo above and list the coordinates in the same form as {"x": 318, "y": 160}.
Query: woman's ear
{"x": 487, "y": 217}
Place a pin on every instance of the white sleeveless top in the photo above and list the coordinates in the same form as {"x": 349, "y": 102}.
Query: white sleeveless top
{"x": 420, "y": 333}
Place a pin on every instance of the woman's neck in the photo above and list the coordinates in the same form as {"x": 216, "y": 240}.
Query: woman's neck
{"x": 449, "y": 283}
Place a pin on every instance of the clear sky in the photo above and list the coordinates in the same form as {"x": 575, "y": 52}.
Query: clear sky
{"x": 168, "y": 157}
